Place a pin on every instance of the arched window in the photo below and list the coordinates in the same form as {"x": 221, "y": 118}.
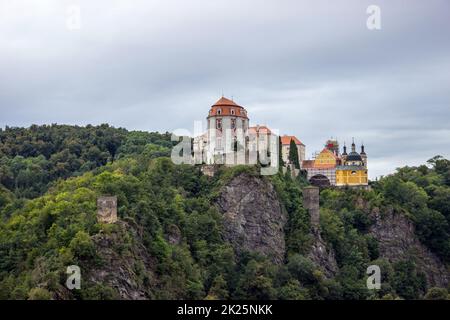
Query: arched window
{"x": 219, "y": 111}
{"x": 233, "y": 123}
{"x": 232, "y": 112}
{"x": 219, "y": 124}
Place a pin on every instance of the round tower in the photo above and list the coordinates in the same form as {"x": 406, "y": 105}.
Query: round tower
{"x": 226, "y": 120}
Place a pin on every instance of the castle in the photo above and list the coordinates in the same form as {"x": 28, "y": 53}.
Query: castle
{"x": 330, "y": 167}
{"x": 230, "y": 140}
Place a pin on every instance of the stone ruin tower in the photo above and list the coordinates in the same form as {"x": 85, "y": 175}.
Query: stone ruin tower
{"x": 107, "y": 209}
{"x": 311, "y": 203}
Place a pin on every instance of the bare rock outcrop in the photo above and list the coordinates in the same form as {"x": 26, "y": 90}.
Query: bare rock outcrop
{"x": 125, "y": 263}
{"x": 253, "y": 217}
{"x": 323, "y": 256}
{"x": 397, "y": 241}
{"x": 319, "y": 253}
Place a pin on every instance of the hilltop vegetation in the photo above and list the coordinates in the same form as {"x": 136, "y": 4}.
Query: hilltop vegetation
{"x": 170, "y": 235}
{"x": 32, "y": 159}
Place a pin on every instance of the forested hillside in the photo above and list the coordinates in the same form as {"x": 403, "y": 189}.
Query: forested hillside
{"x": 169, "y": 242}
{"x": 31, "y": 159}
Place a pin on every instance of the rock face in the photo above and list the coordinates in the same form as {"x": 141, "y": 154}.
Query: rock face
{"x": 397, "y": 241}
{"x": 253, "y": 217}
{"x": 322, "y": 256}
{"x": 128, "y": 270}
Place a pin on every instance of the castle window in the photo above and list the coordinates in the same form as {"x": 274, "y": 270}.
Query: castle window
{"x": 232, "y": 112}
{"x": 219, "y": 124}
{"x": 353, "y": 172}
{"x": 233, "y": 123}
{"x": 219, "y": 111}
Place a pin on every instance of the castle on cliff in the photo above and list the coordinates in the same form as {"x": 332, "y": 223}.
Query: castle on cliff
{"x": 230, "y": 140}
{"x": 330, "y": 167}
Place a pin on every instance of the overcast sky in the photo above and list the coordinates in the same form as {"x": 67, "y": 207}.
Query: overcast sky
{"x": 307, "y": 68}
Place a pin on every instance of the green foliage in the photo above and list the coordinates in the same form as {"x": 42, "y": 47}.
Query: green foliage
{"x": 408, "y": 283}
{"x": 82, "y": 246}
{"x": 437, "y": 294}
{"x": 39, "y": 294}
{"x": 256, "y": 281}
{"x": 32, "y": 159}
{"x": 51, "y": 176}
{"x": 293, "y": 154}
{"x": 219, "y": 290}
{"x": 297, "y": 230}
{"x": 292, "y": 290}
{"x": 424, "y": 192}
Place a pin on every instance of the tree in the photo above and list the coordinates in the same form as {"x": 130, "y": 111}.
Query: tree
{"x": 292, "y": 290}
{"x": 256, "y": 282}
{"x": 82, "y": 245}
{"x": 280, "y": 154}
{"x": 39, "y": 294}
{"x": 218, "y": 290}
{"x": 437, "y": 294}
{"x": 407, "y": 282}
{"x": 293, "y": 154}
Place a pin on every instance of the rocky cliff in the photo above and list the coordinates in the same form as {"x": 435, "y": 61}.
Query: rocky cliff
{"x": 253, "y": 217}
{"x": 323, "y": 255}
{"x": 397, "y": 241}
{"x": 125, "y": 264}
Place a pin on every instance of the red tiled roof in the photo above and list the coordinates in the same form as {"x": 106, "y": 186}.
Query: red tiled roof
{"x": 286, "y": 140}
{"x": 225, "y": 102}
{"x": 259, "y": 129}
{"x": 307, "y": 164}
{"x": 227, "y": 107}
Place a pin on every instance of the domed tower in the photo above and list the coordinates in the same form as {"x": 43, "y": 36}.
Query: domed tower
{"x": 226, "y": 120}
{"x": 354, "y": 158}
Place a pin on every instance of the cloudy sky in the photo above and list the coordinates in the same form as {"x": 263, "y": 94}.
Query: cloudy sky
{"x": 308, "y": 68}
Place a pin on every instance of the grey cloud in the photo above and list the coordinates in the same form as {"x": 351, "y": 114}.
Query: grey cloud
{"x": 308, "y": 68}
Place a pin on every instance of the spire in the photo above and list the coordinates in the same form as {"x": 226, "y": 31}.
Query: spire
{"x": 353, "y": 145}
{"x": 362, "y": 149}
{"x": 345, "y": 150}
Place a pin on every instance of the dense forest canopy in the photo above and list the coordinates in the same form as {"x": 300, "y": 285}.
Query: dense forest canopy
{"x": 31, "y": 159}
{"x": 51, "y": 176}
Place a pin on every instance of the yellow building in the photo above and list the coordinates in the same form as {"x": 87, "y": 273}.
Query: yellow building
{"x": 325, "y": 159}
{"x": 351, "y": 176}
{"x": 330, "y": 168}
{"x": 353, "y": 171}
{"x": 322, "y": 170}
